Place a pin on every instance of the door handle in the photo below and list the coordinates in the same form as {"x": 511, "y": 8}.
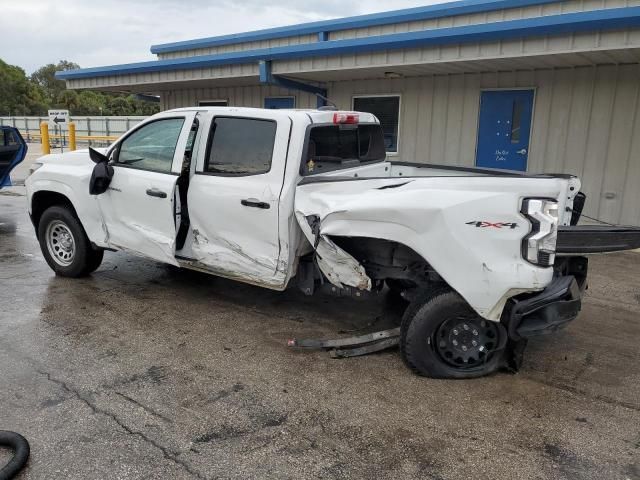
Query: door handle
{"x": 252, "y": 202}
{"x": 154, "y": 192}
{"x": 522, "y": 152}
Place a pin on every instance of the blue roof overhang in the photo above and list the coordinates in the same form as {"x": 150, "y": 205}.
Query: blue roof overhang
{"x": 609, "y": 19}
{"x": 462, "y": 7}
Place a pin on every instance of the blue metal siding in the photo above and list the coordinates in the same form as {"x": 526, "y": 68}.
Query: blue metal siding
{"x": 361, "y": 21}
{"x": 614, "y": 18}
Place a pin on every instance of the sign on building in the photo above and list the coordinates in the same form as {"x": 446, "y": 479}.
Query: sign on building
{"x": 58, "y": 118}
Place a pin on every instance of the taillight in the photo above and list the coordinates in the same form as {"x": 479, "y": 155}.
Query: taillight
{"x": 346, "y": 118}
{"x": 539, "y": 246}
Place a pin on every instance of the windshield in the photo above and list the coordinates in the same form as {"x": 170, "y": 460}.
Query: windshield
{"x": 334, "y": 147}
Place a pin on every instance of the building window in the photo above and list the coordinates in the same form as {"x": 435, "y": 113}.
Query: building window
{"x": 276, "y": 103}
{"x": 241, "y": 146}
{"x": 387, "y": 109}
{"x": 213, "y": 103}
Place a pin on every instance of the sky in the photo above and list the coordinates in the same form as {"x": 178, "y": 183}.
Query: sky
{"x": 94, "y": 33}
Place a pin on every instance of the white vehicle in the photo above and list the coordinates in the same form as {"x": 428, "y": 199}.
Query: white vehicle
{"x": 281, "y": 198}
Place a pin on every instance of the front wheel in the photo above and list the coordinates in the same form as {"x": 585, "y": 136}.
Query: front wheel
{"x": 443, "y": 337}
{"x": 65, "y": 245}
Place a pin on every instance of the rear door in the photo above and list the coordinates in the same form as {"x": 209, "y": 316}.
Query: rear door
{"x": 13, "y": 149}
{"x": 234, "y": 197}
{"x": 141, "y": 207}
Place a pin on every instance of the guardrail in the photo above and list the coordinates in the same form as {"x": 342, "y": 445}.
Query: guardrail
{"x": 71, "y": 139}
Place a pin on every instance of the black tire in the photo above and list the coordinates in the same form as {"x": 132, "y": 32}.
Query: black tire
{"x": 20, "y": 445}
{"x": 82, "y": 258}
{"x": 426, "y": 338}
{"x": 95, "y": 260}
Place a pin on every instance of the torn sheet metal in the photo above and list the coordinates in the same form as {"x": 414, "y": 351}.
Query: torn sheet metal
{"x": 228, "y": 259}
{"x": 436, "y": 217}
{"x": 352, "y": 346}
{"x": 338, "y": 266}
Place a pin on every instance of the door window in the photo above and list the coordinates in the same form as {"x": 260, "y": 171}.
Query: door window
{"x": 240, "y": 146}
{"x": 8, "y": 138}
{"x": 151, "y": 147}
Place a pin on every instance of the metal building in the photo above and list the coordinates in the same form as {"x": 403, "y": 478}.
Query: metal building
{"x": 536, "y": 85}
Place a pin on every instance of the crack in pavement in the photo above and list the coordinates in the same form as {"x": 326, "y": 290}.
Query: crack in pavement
{"x": 95, "y": 409}
{"x": 143, "y": 407}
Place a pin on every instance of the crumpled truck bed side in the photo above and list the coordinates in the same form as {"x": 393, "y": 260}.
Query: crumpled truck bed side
{"x": 452, "y": 222}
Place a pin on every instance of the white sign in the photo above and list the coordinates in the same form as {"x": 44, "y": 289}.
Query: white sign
{"x": 58, "y": 118}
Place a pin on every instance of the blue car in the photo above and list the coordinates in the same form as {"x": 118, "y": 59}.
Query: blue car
{"x": 13, "y": 149}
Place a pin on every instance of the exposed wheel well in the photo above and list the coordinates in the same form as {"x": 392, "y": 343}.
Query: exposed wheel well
{"x": 385, "y": 260}
{"x": 45, "y": 199}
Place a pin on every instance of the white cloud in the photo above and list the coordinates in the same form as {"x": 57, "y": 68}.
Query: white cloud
{"x": 106, "y": 32}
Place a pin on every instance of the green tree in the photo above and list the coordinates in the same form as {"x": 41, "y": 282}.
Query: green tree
{"x": 15, "y": 91}
{"x": 45, "y": 78}
{"x": 90, "y": 103}
{"x": 22, "y": 95}
{"x": 119, "y": 106}
{"x": 143, "y": 107}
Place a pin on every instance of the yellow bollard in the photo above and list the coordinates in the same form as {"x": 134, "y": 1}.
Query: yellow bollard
{"x": 44, "y": 138}
{"x": 72, "y": 136}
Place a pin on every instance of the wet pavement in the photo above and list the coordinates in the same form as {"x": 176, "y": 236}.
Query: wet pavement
{"x": 141, "y": 371}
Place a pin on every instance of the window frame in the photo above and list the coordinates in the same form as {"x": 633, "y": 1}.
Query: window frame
{"x": 114, "y": 153}
{"x": 207, "y": 153}
{"x": 305, "y": 150}
{"x": 384, "y": 95}
{"x": 216, "y": 100}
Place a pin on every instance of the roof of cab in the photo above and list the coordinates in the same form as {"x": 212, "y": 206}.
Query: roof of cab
{"x": 316, "y": 116}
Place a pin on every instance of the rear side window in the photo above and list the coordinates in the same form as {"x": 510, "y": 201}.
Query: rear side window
{"x": 240, "y": 146}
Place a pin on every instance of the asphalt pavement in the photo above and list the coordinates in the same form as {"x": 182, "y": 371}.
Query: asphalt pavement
{"x": 141, "y": 371}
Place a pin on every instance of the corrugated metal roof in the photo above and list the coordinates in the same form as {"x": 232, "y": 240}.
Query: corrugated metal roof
{"x": 608, "y": 19}
{"x": 361, "y": 21}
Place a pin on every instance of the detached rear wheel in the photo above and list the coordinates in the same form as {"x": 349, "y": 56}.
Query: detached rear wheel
{"x": 65, "y": 245}
{"x": 443, "y": 337}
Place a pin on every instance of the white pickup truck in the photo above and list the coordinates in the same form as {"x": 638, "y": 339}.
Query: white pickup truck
{"x": 307, "y": 198}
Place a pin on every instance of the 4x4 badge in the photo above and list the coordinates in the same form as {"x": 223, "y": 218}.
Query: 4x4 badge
{"x": 485, "y": 224}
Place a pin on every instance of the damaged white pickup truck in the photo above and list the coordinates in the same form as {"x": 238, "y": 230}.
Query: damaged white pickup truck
{"x": 280, "y": 198}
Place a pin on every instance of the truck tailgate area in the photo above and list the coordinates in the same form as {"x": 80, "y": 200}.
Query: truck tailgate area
{"x": 586, "y": 239}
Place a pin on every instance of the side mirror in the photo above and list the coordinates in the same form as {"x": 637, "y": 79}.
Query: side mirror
{"x": 96, "y": 156}
{"x": 102, "y": 173}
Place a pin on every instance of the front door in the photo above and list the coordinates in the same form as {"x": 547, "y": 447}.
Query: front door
{"x": 12, "y": 151}
{"x": 276, "y": 103}
{"x": 141, "y": 207}
{"x": 504, "y": 129}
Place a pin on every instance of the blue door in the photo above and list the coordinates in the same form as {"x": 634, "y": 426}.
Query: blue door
{"x": 276, "y": 103}
{"x": 504, "y": 129}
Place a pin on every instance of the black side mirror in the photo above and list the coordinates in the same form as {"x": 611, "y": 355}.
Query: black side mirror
{"x": 96, "y": 156}
{"x": 102, "y": 173}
